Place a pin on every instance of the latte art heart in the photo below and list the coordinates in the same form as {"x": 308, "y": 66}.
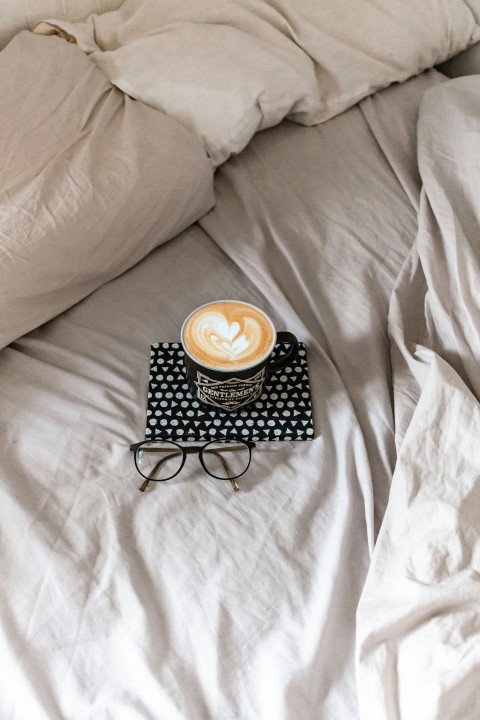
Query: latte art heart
{"x": 230, "y": 348}
{"x": 226, "y": 339}
{"x": 230, "y": 341}
{"x": 226, "y": 330}
{"x": 228, "y": 335}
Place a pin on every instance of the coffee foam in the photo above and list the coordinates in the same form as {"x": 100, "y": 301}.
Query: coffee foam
{"x": 228, "y": 335}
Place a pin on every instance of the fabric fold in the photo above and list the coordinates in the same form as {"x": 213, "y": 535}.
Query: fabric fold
{"x": 229, "y": 69}
{"x": 417, "y": 636}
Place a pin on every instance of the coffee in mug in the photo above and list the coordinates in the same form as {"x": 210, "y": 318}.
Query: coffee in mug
{"x": 228, "y": 346}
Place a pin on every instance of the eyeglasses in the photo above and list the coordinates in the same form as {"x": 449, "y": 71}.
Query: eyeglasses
{"x": 160, "y": 460}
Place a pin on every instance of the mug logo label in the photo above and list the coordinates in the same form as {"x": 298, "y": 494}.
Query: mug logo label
{"x": 229, "y": 394}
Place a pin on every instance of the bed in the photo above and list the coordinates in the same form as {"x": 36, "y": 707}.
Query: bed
{"x": 336, "y": 188}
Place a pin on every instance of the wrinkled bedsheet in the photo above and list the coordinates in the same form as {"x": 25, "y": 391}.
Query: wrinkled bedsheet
{"x": 191, "y": 602}
{"x": 418, "y": 623}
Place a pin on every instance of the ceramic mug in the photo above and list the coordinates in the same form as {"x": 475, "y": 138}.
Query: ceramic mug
{"x": 228, "y": 347}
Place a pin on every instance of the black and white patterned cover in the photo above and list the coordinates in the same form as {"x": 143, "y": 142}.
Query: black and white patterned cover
{"x": 282, "y": 412}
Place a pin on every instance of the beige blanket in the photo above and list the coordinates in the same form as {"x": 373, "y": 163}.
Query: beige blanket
{"x": 418, "y": 632}
{"x": 228, "y": 69}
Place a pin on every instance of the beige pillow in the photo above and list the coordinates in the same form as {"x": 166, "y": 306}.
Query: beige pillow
{"x": 17, "y": 15}
{"x": 90, "y": 180}
{"x": 227, "y": 69}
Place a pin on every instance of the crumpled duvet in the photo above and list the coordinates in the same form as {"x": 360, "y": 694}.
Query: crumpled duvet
{"x": 418, "y": 644}
{"x": 228, "y": 69}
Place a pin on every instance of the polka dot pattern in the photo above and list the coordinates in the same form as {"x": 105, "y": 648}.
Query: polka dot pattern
{"x": 282, "y": 412}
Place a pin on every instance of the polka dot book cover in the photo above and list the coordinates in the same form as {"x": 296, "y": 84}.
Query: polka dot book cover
{"x": 282, "y": 412}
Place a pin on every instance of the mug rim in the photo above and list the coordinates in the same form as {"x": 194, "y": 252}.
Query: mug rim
{"x": 231, "y": 370}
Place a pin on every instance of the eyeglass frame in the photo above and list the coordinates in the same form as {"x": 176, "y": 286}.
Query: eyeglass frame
{"x": 189, "y": 450}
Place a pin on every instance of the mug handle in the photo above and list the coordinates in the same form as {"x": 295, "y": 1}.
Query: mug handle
{"x": 291, "y": 354}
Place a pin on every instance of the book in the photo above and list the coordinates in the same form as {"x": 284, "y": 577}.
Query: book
{"x": 282, "y": 412}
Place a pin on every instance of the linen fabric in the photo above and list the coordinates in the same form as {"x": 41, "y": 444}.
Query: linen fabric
{"x": 280, "y": 600}
{"x": 228, "y": 69}
{"x": 465, "y": 63}
{"x": 17, "y": 15}
{"x": 90, "y": 180}
{"x": 192, "y": 601}
{"x": 418, "y": 631}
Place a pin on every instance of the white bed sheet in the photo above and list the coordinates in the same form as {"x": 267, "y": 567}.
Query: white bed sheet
{"x": 191, "y": 602}
{"x": 418, "y": 624}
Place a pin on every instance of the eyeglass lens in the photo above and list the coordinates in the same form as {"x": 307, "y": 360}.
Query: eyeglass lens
{"x": 159, "y": 461}
{"x": 226, "y": 460}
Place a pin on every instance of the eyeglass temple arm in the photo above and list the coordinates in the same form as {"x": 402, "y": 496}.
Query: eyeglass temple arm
{"x": 147, "y": 481}
{"x": 193, "y": 449}
{"x": 134, "y": 447}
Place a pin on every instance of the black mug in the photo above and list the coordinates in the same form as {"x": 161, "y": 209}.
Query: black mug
{"x": 228, "y": 347}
